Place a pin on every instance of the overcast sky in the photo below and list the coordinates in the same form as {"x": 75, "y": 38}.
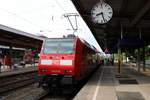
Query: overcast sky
{"x": 44, "y": 17}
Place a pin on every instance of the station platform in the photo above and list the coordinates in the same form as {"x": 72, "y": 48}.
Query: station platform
{"x": 106, "y": 84}
{"x": 18, "y": 70}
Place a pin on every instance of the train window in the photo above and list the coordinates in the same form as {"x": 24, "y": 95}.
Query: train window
{"x": 58, "y": 46}
{"x": 50, "y": 47}
{"x": 66, "y": 47}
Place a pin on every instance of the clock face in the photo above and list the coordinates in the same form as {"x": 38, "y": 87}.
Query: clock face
{"x": 101, "y": 13}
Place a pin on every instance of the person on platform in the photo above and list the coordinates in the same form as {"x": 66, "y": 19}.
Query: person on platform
{"x": 7, "y": 61}
{"x": 28, "y": 57}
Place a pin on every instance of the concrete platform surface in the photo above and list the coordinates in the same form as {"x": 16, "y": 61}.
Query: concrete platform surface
{"x": 106, "y": 84}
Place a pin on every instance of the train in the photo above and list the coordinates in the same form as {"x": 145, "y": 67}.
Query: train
{"x": 65, "y": 61}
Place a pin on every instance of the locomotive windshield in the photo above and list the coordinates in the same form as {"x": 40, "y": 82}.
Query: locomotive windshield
{"x": 59, "y": 46}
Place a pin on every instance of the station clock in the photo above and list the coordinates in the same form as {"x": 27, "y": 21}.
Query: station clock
{"x": 101, "y": 13}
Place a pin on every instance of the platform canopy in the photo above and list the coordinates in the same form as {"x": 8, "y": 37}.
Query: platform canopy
{"x": 17, "y": 38}
{"x": 131, "y": 18}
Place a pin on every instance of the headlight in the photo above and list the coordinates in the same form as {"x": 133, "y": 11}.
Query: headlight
{"x": 44, "y": 70}
{"x": 68, "y": 71}
{"x": 46, "y": 62}
{"x": 65, "y": 62}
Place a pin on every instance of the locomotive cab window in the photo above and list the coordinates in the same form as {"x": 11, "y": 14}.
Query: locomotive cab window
{"x": 66, "y": 47}
{"x": 58, "y": 46}
{"x": 50, "y": 47}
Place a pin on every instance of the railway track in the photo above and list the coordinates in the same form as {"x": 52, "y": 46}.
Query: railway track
{"x": 68, "y": 95}
{"x": 9, "y": 83}
{"x": 56, "y": 97}
{"x": 32, "y": 92}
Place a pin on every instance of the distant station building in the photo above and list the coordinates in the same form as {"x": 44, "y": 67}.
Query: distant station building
{"x": 14, "y": 43}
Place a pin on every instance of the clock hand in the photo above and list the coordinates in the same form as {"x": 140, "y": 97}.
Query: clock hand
{"x": 98, "y": 14}
{"x": 103, "y": 17}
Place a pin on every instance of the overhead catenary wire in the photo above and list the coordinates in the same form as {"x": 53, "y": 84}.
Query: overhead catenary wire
{"x": 60, "y": 6}
{"x": 35, "y": 24}
{"x": 22, "y": 18}
{"x": 69, "y": 15}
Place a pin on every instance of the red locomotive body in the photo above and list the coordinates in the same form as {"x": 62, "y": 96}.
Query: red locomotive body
{"x": 65, "y": 61}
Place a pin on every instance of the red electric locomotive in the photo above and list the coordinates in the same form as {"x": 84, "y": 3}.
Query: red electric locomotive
{"x": 65, "y": 61}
